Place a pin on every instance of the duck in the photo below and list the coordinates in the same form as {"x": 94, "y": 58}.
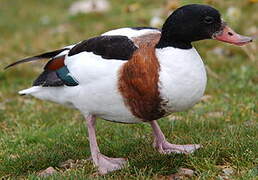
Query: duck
{"x": 134, "y": 75}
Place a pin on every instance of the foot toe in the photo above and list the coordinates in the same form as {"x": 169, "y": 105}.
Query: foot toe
{"x": 106, "y": 164}
{"x": 167, "y": 148}
{"x": 191, "y": 148}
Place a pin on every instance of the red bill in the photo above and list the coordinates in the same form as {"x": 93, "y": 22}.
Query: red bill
{"x": 230, "y": 36}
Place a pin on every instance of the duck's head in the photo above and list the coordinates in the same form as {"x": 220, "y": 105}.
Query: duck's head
{"x": 196, "y": 22}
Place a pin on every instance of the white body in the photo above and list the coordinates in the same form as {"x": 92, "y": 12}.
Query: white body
{"x": 182, "y": 83}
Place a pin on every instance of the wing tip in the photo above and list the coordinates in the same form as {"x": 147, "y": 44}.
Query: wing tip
{"x": 8, "y": 66}
{"x": 46, "y": 55}
{"x": 21, "y": 61}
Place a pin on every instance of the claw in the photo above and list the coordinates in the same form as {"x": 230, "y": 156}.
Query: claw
{"x": 167, "y": 148}
{"x": 106, "y": 164}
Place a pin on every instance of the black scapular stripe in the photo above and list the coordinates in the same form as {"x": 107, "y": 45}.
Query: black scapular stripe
{"x": 46, "y": 55}
{"x": 145, "y": 27}
{"x": 108, "y": 47}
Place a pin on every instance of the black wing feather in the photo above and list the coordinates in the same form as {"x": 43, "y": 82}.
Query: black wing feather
{"x": 46, "y": 55}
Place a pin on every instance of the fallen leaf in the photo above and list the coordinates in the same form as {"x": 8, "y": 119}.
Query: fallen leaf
{"x": 186, "y": 172}
{"x": 47, "y": 172}
{"x": 182, "y": 174}
{"x": 228, "y": 171}
{"x": 67, "y": 164}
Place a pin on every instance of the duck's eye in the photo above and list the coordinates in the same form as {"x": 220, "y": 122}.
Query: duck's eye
{"x": 208, "y": 20}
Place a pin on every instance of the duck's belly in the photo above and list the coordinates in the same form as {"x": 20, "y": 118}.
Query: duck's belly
{"x": 107, "y": 104}
{"x": 182, "y": 82}
{"x": 100, "y": 98}
{"x": 98, "y": 92}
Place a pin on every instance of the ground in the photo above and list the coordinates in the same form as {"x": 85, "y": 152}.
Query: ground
{"x": 35, "y": 135}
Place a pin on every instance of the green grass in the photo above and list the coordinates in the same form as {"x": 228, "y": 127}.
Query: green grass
{"x": 35, "y": 134}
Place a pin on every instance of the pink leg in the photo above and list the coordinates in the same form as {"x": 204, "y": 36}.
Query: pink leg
{"x": 104, "y": 163}
{"x": 164, "y": 147}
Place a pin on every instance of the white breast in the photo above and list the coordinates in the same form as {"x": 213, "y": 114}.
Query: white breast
{"x": 182, "y": 78}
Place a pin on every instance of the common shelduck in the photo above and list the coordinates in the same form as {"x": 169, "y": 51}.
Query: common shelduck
{"x": 134, "y": 75}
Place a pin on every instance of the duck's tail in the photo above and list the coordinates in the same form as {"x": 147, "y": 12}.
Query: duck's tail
{"x": 51, "y": 94}
{"x": 46, "y": 55}
{"x": 31, "y": 90}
